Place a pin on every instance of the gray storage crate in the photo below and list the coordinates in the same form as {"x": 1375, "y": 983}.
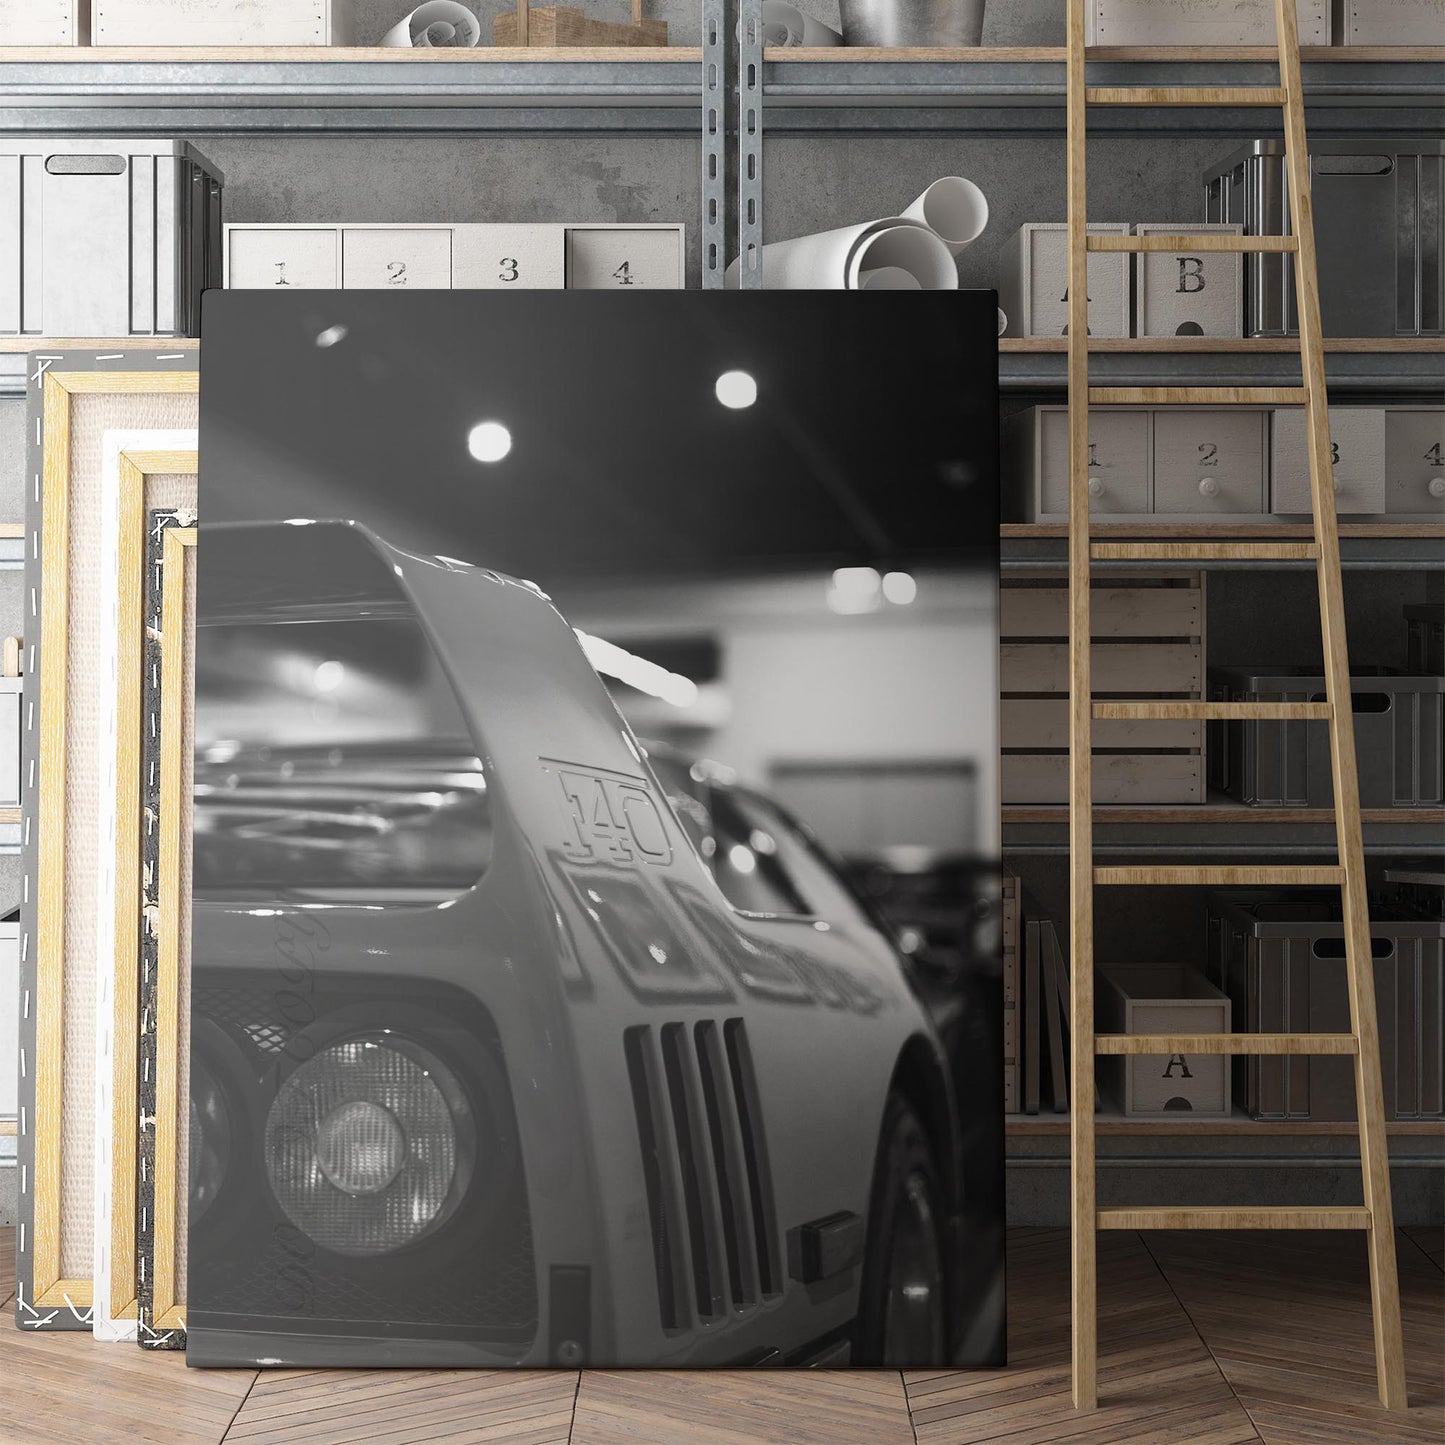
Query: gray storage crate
{"x": 1425, "y": 637}
{"x": 1377, "y": 211}
{"x": 1399, "y": 739}
{"x": 1280, "y": 958}
{"x": 1151, "y": 998}
{"x": 106, "y": 238}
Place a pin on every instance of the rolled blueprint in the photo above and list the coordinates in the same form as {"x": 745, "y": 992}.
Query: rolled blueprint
{"x": 786, "y": 25}
{"x": 836, "y": 260}
{"x": 888, "y": 278}
{"x": 439, "y": 24}
{"x": 953, "y": 208}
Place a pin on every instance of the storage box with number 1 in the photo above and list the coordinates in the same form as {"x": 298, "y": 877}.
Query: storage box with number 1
{"x": 462, "y": 257}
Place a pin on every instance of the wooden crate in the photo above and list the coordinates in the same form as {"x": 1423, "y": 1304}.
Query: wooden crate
{"x": 1199, "y": 22}
{"x": 54, "y": 22}
{"x": 1123, "y": 779}
{"x": 553, "y": 26}
{"x": 221, "y": 22}
{"x": 1389, "y": 22}
{"x": 1148, "y": 634}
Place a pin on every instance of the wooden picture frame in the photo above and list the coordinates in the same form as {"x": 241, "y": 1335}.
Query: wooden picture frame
{"x": 74, "y": 398}
{"x": 163, "y": 941}
{"x": 138, "y": 466}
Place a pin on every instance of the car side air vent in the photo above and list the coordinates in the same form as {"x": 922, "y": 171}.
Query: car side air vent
{"x": 705, "y": 1165}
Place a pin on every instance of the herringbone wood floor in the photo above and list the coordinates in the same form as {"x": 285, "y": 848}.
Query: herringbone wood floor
{"x": 1204, "y": 1340}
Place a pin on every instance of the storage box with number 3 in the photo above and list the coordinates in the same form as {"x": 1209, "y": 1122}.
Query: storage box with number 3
{"x": 502, "y": 258}
{"x": 601, "y": 257}
{"x": 1357, "y": 446}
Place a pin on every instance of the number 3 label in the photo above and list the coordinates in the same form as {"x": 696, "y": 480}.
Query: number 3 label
{"x": 509, "y": 271}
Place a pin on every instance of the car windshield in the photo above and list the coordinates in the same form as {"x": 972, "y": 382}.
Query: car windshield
{"x": 366, "y": 785}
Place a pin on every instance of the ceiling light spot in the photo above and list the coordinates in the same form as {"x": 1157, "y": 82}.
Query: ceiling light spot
{"x": 736, "y": 389}
{"x": 489, "y": 441}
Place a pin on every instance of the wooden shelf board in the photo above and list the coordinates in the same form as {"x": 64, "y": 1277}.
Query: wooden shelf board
{"x": 480, "y": 56}
{"x": 1263, "y": 530}
{"x": 1045, "y": 1125}
{"x": 1058, "y": 54}
{"x": 486, "y": 55}
{"x": 1226, "y": 345}
{"x": 11, "y": 345}
{"x": 1217, "y": 812}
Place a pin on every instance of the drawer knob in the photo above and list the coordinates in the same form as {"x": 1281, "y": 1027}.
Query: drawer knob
{"x": 1437, "y": 486}
{"x": 1208, "y": 487}
{"x": 1096, "y": 485}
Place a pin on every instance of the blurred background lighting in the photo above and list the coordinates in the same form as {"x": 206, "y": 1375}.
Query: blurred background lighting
{"x": 489, "y": 441}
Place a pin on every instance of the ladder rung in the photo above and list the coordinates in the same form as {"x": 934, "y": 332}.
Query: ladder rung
{"x": 1211, "y": 1216}
{"x": 1185, "y": 95}
{"x": 1198, "y": 395}
{"x": 1226, "y": 876}
{"x": 1188, "y": 241}
{"x": 1205, "y": 551}
{"x": 1266, "y": 1044}
{"x": 1211, "y": 710}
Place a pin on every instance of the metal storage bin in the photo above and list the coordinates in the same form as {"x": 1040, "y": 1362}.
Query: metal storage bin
{"x": 1377, "y": 210}
{"x": 1151, "y": 998}
{"x": 106, "y": 237}
{"x": 1398, "y": 732}
{"x": 1280, "y": 958}
{"x": 1425, "y": 637}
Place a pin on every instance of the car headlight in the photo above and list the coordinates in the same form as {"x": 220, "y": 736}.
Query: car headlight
{"x": 369, "y": 1144}
{"x": 209, "y": 1140}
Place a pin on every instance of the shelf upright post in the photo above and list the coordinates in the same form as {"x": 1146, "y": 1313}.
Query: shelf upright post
{"x": 750, "y": 144}
{"x": 715, "y": 86}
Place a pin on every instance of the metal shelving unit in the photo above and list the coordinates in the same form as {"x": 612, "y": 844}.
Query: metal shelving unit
{"x": 847, "y": 90}
{"x": 1220, "y": 829}
{"x": 1021, "y": 91}
{"x": 1395, "y": 369}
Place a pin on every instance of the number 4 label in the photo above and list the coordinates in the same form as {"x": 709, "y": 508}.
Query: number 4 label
{"x": 623, "y": 274}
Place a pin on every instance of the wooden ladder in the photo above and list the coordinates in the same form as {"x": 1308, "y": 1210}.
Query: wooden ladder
{"x": 1376, "y": 1217}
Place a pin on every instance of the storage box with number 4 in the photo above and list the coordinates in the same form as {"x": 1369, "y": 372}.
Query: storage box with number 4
{"x": 599, "y": 257}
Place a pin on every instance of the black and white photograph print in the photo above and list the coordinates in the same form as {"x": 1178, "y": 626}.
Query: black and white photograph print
{"x": 596, "y": 947}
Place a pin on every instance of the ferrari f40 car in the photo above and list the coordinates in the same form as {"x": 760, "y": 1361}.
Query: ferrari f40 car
{"x": 528, "y": 1044}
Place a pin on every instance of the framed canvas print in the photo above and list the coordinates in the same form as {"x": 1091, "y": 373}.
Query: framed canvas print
{"x": 595, "y": 951}
{"x": 92, "y": 417}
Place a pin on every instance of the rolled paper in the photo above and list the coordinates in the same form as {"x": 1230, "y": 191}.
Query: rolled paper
{"x": 888, "y": 278}
{"x": 905, "y": 246}
{"x": 1002, "y": 321}
{"x": 954, "y": 209}
{"x": 439, "y": 24}
{"x": 786, "y": 25}
{"x": 835, "y": 260}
